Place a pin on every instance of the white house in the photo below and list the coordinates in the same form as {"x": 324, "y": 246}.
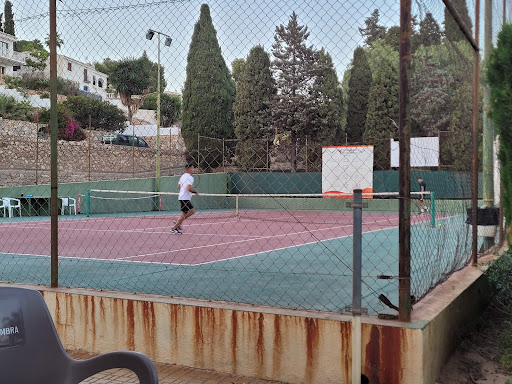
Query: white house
{"x": 11, "y": 62}
{"x": 87, "y": 77}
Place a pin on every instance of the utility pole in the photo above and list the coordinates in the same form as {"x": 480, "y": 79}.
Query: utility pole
{"x": 54, "y": 202}
{"x": 488, "y": 134}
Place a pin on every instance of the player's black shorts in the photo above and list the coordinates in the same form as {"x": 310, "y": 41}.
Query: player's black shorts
{"x": 186, "y": 206}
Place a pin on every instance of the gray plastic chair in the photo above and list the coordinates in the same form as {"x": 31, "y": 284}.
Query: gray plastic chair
{"x": 31, "y": 351}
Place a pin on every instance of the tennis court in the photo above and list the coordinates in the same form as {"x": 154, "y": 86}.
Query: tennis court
{"x": 280, "y": 257}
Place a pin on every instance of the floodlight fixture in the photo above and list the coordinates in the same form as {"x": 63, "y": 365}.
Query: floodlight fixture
{"x": 150, "y": 33}
{"x": 168, "y": 42}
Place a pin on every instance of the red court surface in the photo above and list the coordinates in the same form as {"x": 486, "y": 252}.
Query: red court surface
{"x": 207, "y": 238}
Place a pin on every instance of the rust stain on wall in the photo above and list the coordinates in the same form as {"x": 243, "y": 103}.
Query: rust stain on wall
{"x": 383, "y": 356}
{"x": 93, "y": 319}
{"x": 312, "y": 339}
{"x": 234, "y": 332}
{"x": 346, "y": 348}
{"x": 102, "y": 311}
{"x": 130, "y": 321}
{"x": 260, "y": 345}
{"x": 149, "y": 324}
{"x": 277, "y": 347}
{"x": 198, "y": 338}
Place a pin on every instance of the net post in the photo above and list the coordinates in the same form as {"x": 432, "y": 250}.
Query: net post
{"x": 88, "y": 202}
{"x": 432, "y": 210}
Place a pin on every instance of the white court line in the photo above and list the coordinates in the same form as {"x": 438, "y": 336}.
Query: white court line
{"x": 254, "y": 239}
{"x": 123, "y": 260}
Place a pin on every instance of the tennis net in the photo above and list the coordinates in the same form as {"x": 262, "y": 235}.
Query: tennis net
{"x": 282, "y": 207}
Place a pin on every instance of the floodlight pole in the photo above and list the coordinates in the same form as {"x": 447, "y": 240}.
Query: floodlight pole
{"x": 149, "y": 36}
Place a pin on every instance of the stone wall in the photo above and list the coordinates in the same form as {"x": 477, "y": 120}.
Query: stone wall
{"x": 25, "y": 157}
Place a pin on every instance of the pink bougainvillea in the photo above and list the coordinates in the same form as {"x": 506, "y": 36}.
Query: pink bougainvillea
{"x": 71, "y": 126}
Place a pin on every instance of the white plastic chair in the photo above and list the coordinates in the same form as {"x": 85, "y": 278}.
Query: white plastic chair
{"x": 68, "y": 202}
{"x": 10, "y": 204}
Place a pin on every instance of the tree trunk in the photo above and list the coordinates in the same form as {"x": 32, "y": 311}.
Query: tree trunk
{"x": 293, "y": 157}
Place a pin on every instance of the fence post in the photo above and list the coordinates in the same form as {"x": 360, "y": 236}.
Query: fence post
{"x": 306, "y": 161}
{"x": 198, "y": 149}
{"x": 357, "y": 234}
{"x": 404, "y": 225}
{"x": 37, "y": 149}
{"x": 89, "y": 147}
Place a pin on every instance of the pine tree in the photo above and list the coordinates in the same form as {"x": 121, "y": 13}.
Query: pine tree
{"x": 430, "y": 33}
{"x": 382, "y": 115}
{"x": 254, "y": 93}
{"x": 373, "y": 31}
{"x": 359, "y": 90}
{"x": 451, "y": 29}
{"x": 208, "y": 94}
{"x": 9, "y": 19}
{"x": 1, "y": 25}
{"x": 295, "y": 68}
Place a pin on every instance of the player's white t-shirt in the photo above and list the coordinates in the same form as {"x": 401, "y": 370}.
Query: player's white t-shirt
{"x": 185, "y": 180}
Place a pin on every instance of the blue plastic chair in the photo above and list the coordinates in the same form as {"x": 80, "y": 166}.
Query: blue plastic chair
{"x": 31, "y": 351}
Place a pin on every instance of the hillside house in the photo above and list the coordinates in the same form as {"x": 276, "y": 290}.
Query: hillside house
{"x": 11, "y": 61}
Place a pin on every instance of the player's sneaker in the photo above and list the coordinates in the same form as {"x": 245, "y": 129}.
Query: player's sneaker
{"x": 179, "y": 226}
{"x": 176, "y": 231}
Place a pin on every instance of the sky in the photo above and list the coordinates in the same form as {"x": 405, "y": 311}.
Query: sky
{"x": 93, "y": 30}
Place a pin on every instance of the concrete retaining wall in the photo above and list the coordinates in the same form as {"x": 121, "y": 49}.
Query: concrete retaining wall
{"x": 285, "y": 345}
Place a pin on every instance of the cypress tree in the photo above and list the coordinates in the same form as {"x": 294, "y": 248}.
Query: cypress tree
{"x": 382, "y": 113}
{"x": 359, "y": 90}
{"x": 254, "y": 93}
{"x": 237, "y": 67}
{"x": 431, "y": 95}
{"x": 326, "y": 124}
{"x": 499, "y": 78}
{"x": 9, "y": 19}
{"x": 451, "y": 29}
{"x": 295, "y": 68}
{"x": 208, "y": 94}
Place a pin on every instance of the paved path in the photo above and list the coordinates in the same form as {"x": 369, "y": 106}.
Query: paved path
{"x": 167, "y": 373}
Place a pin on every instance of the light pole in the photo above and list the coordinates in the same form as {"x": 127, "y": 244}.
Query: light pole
{"x": 168, "y": 41}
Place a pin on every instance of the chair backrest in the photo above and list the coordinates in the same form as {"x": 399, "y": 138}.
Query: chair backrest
{"x": 65, "y": 201}
{"x": 30, "y": 349}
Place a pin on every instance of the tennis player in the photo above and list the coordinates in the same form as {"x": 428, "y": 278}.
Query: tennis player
{"x": 423, "y": 188}
{"x": 185, "y": 195}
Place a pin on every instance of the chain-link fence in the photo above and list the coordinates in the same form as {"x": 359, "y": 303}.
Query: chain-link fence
{"x": 282, "y": 107}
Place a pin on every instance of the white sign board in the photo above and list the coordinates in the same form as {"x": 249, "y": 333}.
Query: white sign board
{"x": 347, "y": 168}
{"x": 424, "y": 152}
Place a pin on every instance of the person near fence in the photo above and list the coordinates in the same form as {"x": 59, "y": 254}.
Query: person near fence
{"x": 186, "y": 189}
{"x": 421, "y": 200}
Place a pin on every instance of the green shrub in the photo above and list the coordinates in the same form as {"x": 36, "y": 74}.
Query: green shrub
{"x": 67, "y": 87}
{"x": 500, "y": 277}
{"x": 68, "y": 127}
{"x": 104, "y": 115}
{"x": 13, "y": 82}
{"x": 35, "y": 83}
{"x": 12, "y": 109}
{"x": 170, "y": 107}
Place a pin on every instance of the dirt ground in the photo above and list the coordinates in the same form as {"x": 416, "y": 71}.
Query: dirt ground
{"x": 476, "y": 360}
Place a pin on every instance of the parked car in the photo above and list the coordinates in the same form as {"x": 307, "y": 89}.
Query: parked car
{"x": 125, "y": 140}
